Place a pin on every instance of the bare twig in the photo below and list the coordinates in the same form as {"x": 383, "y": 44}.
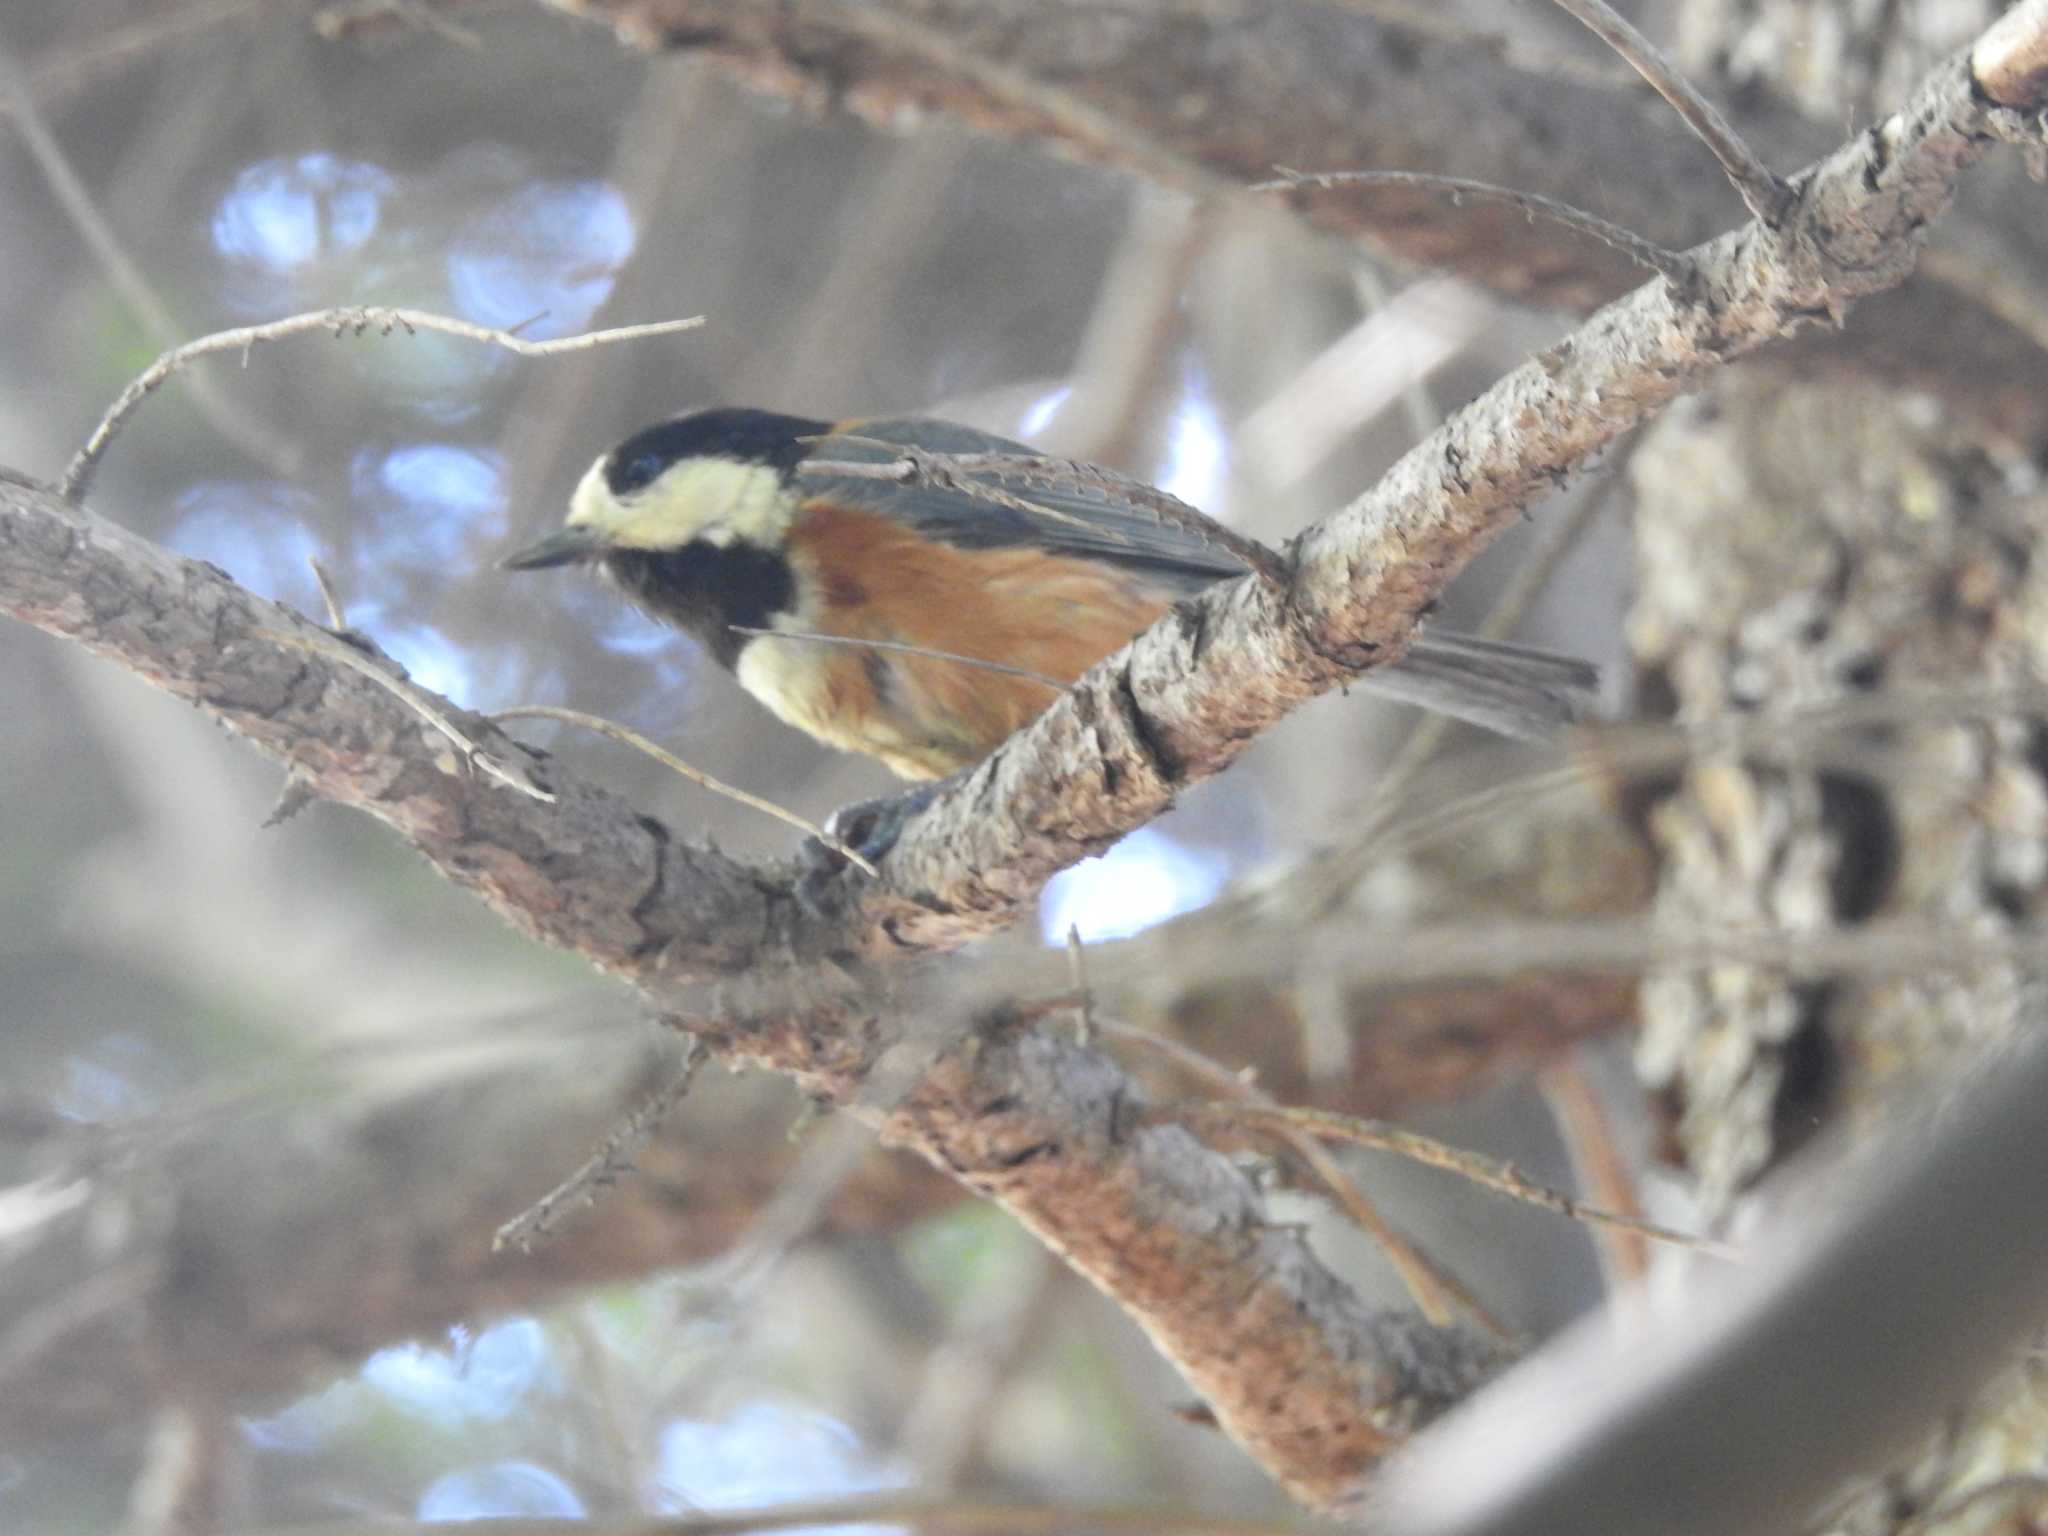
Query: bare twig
{"x": 1764, "y": 192}
{"x": 1077, "y": 968}
{"x": 1573, "y": 1095}
{"x": 1884, "y": 33}
{"x": 626, "y": 736}
{"x": 33, "y": 1332}
{"x": 1469, "y": 949}
{"x": 1359, "y": 97}
{"x": 612, "y": 1160}
{"x": 1567, "y": 70}
{"x": 1125, "y": 376}
{"x": 1434, "y": 1291}
{"x": 904, "y": 648}
{"x": 1067, "y": 114}
{"x": 916, "y": 1510}
{"x": 2006, "y": 288}
{"x": 1492, "y": 1173}
{"x": 339, "y": 322}
{"x": 182, "y": 1487}
{"x": 960, "y": 1378}
{"x": 1326, "y": 876}
{"x": 1376, "y": 303}
{"x": 122, "y": 272}
{"x": 421, "y": 702}
{"x": 1644, "y": 253}
{"x": 53, "y": 78}
{"x": 1621, "y": 752}
{"x": 336, "y": 620}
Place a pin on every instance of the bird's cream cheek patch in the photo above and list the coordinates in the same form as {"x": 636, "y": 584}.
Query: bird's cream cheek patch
{"x": 717, "y": 500}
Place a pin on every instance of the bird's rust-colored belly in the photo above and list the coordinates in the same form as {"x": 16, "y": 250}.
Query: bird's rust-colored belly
{"x": 864, "y": 576}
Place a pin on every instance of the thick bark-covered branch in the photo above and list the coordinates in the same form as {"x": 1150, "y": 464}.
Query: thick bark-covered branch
{"x": 309, "y": 1234}
{"x": 1182, "y": 701}
{"x": 1205, "y": 97}
{"x": 1312, "y": 1382}
{"x": 288, "y": 1240}
{"x": 1298, "y": 1371}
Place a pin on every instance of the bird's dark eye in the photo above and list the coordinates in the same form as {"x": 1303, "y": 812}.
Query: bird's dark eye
{"x": 638, "y": 472}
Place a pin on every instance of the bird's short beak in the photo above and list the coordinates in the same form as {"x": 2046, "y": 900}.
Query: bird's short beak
{"x": 567, "y": 547}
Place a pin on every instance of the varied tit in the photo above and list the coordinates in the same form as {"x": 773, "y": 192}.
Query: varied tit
{"x": 710, "y": 523}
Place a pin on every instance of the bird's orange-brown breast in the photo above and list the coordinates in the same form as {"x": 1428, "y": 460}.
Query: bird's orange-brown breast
{"x": 865, "y": 576}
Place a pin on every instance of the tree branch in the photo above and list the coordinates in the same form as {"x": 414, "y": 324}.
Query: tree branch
{"x": 1298, "y": 1371}
{"x": 1763, "y": 193}
{"x": 308, "y": 1232}
{"x": 1233, "y": 91}
{"x": 1039, "y": 1124}
{"x": 1180, "y": 703}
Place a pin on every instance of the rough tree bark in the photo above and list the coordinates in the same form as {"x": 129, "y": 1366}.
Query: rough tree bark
{"x": 1312, "y": 1384}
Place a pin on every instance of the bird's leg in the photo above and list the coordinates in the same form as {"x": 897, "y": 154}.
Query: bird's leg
{"x": 870, "y": 828}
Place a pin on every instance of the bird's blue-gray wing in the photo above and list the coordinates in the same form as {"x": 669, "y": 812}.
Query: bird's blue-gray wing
{"x": 1078, "y": 512}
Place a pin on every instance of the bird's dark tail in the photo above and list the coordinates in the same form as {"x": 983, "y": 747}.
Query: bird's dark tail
{"x": 1514, "y": 690}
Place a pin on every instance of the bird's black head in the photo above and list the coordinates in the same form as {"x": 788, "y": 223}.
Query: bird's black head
{"x": 736, "y": 432}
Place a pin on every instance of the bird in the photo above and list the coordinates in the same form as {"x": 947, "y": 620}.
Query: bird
{"x": 922, "y": 618}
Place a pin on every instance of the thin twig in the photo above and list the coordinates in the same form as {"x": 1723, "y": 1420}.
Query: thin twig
{"x": 904, "y": 648}
{"x": 336, "y": 620}
{"x": 339, "y": 322}
{"x": 612, "y": 1160}
{"x": 105, "y": 1292}
{"x": 1077, "y": 968}
{"x": 1376, "y": 303}
{"x": 1883, "y": 33}
{"x": 126, "y": 277}
{"x": 419, "y": 701}
{"x": 800, "y": 1201}
{"x": 920, "y": 1511}
{"x": 1576, "y": 1104}
{"x": 1492, "y": 1173}
{"x": 1644, "y": 253}
{"x": 1434, "y": 1291}
{"x": 632, "y": 738}
{"x": 1765, "y": 193}
{"x": 952, "y": 1410}
{"x": 55, "y": 77}
{"x": 1117, "y": 137}
{"x": 1126, "y": 377}
{"x": 1324, "y": 878}
{"x": 2002, "y": 287}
